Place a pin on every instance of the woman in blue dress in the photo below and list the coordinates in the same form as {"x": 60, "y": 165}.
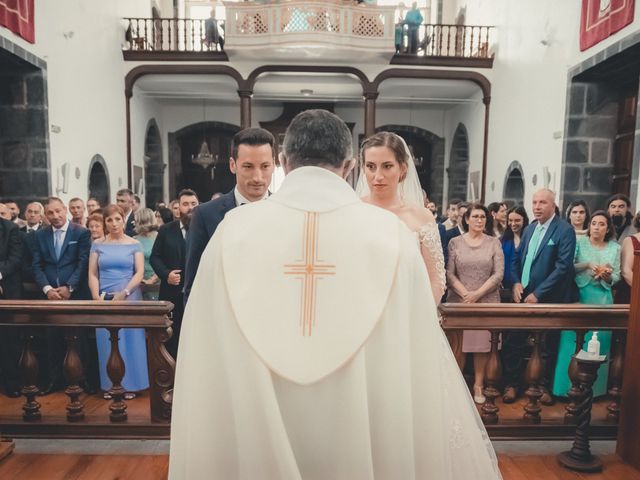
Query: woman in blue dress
{"x": 116, "y": 268}
{"x": 597, "y": 264}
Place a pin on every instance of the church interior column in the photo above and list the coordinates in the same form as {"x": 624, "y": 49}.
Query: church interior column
{"x": 370, "y": 113}
{"x": 245, "y": 107}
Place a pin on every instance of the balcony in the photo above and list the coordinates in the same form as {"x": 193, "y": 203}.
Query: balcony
{"x": 316, "y": 30}
{"x": 312, "y": 29}
{"x": 444, "y": 45}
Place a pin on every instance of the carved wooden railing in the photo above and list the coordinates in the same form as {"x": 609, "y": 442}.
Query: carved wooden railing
{"x": 442, "y": 40}
{"x": 171, "y": 35}
{"x": 537, "y": 319}
{"x": 73, "y": 317}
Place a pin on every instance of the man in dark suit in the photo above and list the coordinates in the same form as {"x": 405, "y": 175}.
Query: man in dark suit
{"x": 60, "y": 255}
{"x": 252, "y": 162}
{"x": 168, "y": 261}
{"x": 124, "y": 199}
{"x": 543, "y": 271}
{"x": 11, "y": 254}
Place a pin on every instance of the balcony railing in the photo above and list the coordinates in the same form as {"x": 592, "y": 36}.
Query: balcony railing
{"x": 460, "y": 41}
{"x": 173, "y": 35}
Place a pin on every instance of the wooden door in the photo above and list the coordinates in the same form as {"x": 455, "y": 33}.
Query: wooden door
{"x": 623, "y": 145}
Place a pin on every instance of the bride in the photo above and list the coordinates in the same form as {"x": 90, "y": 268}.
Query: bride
{"x": 390, "y": 181}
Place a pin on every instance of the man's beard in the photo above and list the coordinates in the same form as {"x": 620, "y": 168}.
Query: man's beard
{"x": 618, "y": 220}
{"x": 185, "y": 219}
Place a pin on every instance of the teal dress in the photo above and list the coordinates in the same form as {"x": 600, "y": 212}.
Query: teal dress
{"x": 147, "y": 246}
{"x": 594, "y": 292}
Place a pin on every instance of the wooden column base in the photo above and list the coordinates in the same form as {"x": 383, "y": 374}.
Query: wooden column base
{"x": 6, "y": 447}
{"x": 582, "y": 464}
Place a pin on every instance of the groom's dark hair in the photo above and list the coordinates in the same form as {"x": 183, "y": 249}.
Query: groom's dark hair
{"x": 317, "y": 137}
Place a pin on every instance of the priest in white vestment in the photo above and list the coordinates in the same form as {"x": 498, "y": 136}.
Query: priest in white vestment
{"x": 310, "y": 344}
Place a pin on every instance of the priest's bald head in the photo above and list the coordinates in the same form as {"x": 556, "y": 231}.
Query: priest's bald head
{"x": 318, "y": 138}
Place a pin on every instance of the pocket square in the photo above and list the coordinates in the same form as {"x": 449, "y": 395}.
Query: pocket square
{"x": 551, "y": 243}
{"x": 72, "y": 242}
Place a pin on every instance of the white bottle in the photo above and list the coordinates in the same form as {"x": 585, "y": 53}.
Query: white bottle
{"x": 593, "y": 347}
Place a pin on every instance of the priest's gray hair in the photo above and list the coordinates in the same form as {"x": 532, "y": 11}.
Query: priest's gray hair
{"x": 315, "y": 138}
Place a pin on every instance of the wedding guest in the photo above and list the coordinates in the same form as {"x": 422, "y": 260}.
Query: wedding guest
{"x": 77, "y": 211}
{"x": 116, "y": 268}
{"x": 498, "y": 212}
{"x": 629, "y": 245}
{"x": 95, "y": 224}
{"x": 452, "y": 214}
{"x": 578, "y": 216}
{"x": 517, "y": 221}
{"x": 147, "y": 231}
{"x": 93, "y": 205}
{"x": 175, "y": 209}
{"x": 619, "y": 209}
{"x": 597, "y": 265}
{"x": 474, "y": 273}
{"x": 163, "y": 216}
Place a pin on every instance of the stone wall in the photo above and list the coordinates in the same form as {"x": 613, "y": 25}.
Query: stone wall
{"x": 589, "y": 140}
{"x": 24, "y": 142}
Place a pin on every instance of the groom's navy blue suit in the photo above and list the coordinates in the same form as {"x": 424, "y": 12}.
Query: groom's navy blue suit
{"x": 204, "y": 221}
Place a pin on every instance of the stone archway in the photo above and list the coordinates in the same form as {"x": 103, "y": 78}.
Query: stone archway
{"x": 458, "y": 170}
{"x": 99, "y": 180}
{"x": 513, "y": 192}
{"x": 428, "y": 150}
{"x": 153, "y": 165}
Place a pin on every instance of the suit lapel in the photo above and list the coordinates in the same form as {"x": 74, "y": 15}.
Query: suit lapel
{"x": 49, "y": 240}
{"x": 547, "y": 236}
{"x": 67, "y": 238}
{"x": 180, "y": 239}
{"x": 229, "y": 201}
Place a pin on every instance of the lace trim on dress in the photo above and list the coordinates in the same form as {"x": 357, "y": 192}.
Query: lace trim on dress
{"x": 429, "y": 237}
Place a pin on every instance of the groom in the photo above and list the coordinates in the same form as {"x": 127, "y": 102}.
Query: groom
{"x": 309, "y": 347}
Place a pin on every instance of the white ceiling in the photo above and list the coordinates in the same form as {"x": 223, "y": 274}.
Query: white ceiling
{"x": 325, "y": 87}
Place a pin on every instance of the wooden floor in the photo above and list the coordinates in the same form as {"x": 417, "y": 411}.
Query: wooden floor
{"x": 123, "y": 467}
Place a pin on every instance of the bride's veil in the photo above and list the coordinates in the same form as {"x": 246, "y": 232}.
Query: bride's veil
{"x": 409, "y": 189}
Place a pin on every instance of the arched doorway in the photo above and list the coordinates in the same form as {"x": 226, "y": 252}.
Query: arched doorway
{"x": 458, "y": 170}
{"x": 186, "y": 143}
{"x": 513, "y": 193}
{"x": 153, "y": 166}
{"x": 99, "y": 180}
{"x": 428, "y": 153}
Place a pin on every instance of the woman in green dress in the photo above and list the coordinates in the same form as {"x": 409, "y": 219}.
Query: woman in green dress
{"x": 147, "y": 229}
{"x": 597, "y": 264}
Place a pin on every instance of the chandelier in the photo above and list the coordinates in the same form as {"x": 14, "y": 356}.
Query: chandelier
{"x": 204, "y": 158}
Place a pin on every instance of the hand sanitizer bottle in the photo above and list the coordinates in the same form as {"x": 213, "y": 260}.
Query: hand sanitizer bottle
{"x": 593, "y": 347}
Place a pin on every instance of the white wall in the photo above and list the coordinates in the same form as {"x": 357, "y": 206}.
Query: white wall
{"x": 537, "y": 45}
{"x": 471, "y": 115}
{"x": 81, "y": 44}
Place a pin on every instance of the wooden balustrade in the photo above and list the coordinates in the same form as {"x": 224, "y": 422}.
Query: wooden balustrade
{"x": 443, "y": 40}
{"x": 74, "y": 317}
{"x": 537, "y": 319}
{"x": 172, "y": 35}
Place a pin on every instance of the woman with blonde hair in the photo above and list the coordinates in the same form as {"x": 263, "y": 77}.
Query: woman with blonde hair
{"x": 147, "y": 231}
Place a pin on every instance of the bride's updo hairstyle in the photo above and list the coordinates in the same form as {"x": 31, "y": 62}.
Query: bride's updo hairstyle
{"x": 393, "y": 142}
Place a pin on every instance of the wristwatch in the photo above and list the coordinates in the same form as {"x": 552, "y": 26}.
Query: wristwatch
{"x": 127, "y": 292}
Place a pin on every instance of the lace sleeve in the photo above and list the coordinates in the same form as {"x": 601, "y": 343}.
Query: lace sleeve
{"x": 429, "y": 237}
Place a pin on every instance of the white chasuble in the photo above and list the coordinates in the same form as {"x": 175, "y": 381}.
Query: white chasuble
{"x": 311, "y": 349}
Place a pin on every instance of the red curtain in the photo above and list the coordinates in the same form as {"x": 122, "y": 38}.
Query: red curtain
{"x": 17, "y": 16}
{"x": 602, "y": 18}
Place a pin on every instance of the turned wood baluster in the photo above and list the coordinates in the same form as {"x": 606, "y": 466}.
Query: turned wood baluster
{"x": 72, "y": 368}
{"x": 161, "y": 374}
{"x": 29, "y": 369}
{"x": 616, "y": 370}
{"x": 533, "y": 376}
{"x": 115, "y": 370}
{"x": 455, "y": 342}
{"x": 493, "y": 375}
{"x": 574, "y": 392}
{"x": 439, "y": 40}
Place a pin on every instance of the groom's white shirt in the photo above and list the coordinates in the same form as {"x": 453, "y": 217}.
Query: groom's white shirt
{"x": 311, "y": 349}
